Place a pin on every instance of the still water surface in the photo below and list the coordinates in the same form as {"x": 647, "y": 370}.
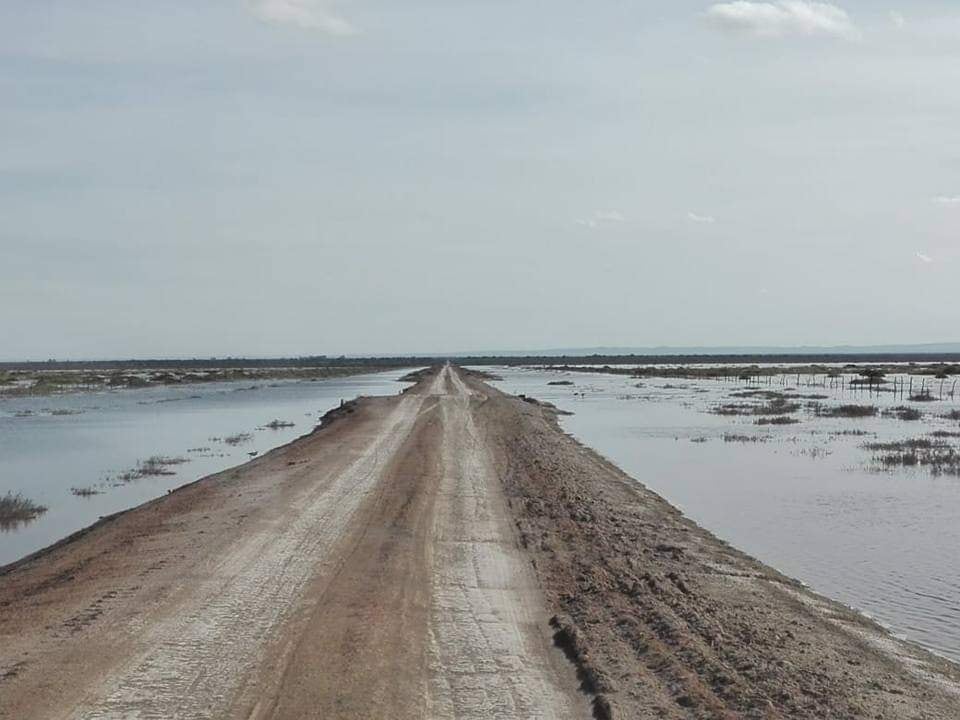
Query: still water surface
{"x": 803, "y": 501}
{"x": 49, "y": 445}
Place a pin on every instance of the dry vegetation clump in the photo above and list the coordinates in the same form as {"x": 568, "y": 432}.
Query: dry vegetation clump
{"x": 16, "y": 509}
{"x": 84, "y": 491}
{"x": 154, "y": 466}
{"x": 735, "y": 438}
{"x": 905, "y": 445}
{"x": 936, "y": 455}
{"x": 903, "y": 412}
{"x": 952, "y": 415}
{"x": 778, "y": 420}
{"x": 776, "y": 406}
{"x": 870, "y": 376}
{"x": 845, "y": 411}
{"x": 922, "y": 396}
{"x": 278, "y": 424}
{"x": 765, "y": 394}
{"x": 238, "y": 439}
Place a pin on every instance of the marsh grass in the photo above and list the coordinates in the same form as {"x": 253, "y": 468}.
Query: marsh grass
{"x": 775, "y": 406}
{"x": 84, "y": 492}
{"x": 903, "y": 412}
{"x": 845, "y": 411}
{"x": 778, "y": 420}
{"x": 278, "y": 424}
{"x": 238, "y": 439}
{"x": 935, "y": 455}
{"x": 906, "y": 445}
{"x": 154, "y": 466}
{"x": 736, "y": 438}
{"x": 16, "y": 509}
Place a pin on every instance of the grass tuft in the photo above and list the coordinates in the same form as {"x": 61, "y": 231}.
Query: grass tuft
{"x": 16, "y": 509}
{"x": 902, "y": 412}
{"x": 846, "y": 411}
{"x": 84, "y": 491}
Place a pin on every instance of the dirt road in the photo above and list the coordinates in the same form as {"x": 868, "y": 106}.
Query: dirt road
{"x": 446, "y": 553}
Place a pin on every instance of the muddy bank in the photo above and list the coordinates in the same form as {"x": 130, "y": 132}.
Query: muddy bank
{"x": 664, "y": 620}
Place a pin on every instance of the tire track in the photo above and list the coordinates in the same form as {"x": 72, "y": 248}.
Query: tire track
{"x": 488, "y": 654}
{"x": 191, "y": 663}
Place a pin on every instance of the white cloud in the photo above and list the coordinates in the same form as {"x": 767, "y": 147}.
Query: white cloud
{"x": 602, "y": 217}
{"x": 307, "y": 14}
{"x": 702, "y": 219}
{"x": 947, "y": 200}
{"x": 924, "y": 258}
{"x": 609, "y": 215}
{"x": 897, "y": 18}
{"x": 783, "y": 18}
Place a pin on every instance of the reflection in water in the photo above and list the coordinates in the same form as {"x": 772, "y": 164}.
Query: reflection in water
{"x": 86, "y": 455}
{"x": 16, "y": 510}
{"x": 806, "y": 498}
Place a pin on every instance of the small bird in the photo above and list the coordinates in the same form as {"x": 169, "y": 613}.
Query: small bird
{"x": 253, "y": 453}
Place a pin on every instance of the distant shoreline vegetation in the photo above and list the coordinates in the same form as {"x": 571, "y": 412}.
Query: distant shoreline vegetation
{"x": 18, "y": 379}
{"x": 44, "y": 380}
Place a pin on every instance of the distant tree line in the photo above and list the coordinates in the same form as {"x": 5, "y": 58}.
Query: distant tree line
{"x": 316, "y": 361}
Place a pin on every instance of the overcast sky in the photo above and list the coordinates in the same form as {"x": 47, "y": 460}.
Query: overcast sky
{"x": 276, "y": 177}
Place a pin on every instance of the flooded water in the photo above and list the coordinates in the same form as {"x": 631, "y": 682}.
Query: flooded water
{"x": 49, "y": 445}
{"x": 803, "y": 499}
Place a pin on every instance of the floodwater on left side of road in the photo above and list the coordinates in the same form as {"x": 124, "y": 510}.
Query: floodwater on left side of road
{"x": 86, "y": 455}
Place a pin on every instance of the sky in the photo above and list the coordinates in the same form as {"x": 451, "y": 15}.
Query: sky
{"x": 290, "y": 177}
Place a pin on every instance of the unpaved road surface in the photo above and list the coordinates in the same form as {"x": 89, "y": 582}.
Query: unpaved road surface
{"x": 446, "y": 553}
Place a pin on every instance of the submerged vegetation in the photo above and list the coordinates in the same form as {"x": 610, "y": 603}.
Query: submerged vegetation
{"x": 935, "y": 455}
{"x": 154, "y": 466}
{"x": 737, "y": 438}
{"x": 903, "y": 412}
{"x": 778, "y": 405}
{"x": 15, "y": 509}
{"x": 84, "y": 491}
{"x": 778, "y": 420}
{"x": 846, "y": 411}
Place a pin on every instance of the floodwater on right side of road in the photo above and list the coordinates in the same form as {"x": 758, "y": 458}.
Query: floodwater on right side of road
{"x": 806, "y": 498}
